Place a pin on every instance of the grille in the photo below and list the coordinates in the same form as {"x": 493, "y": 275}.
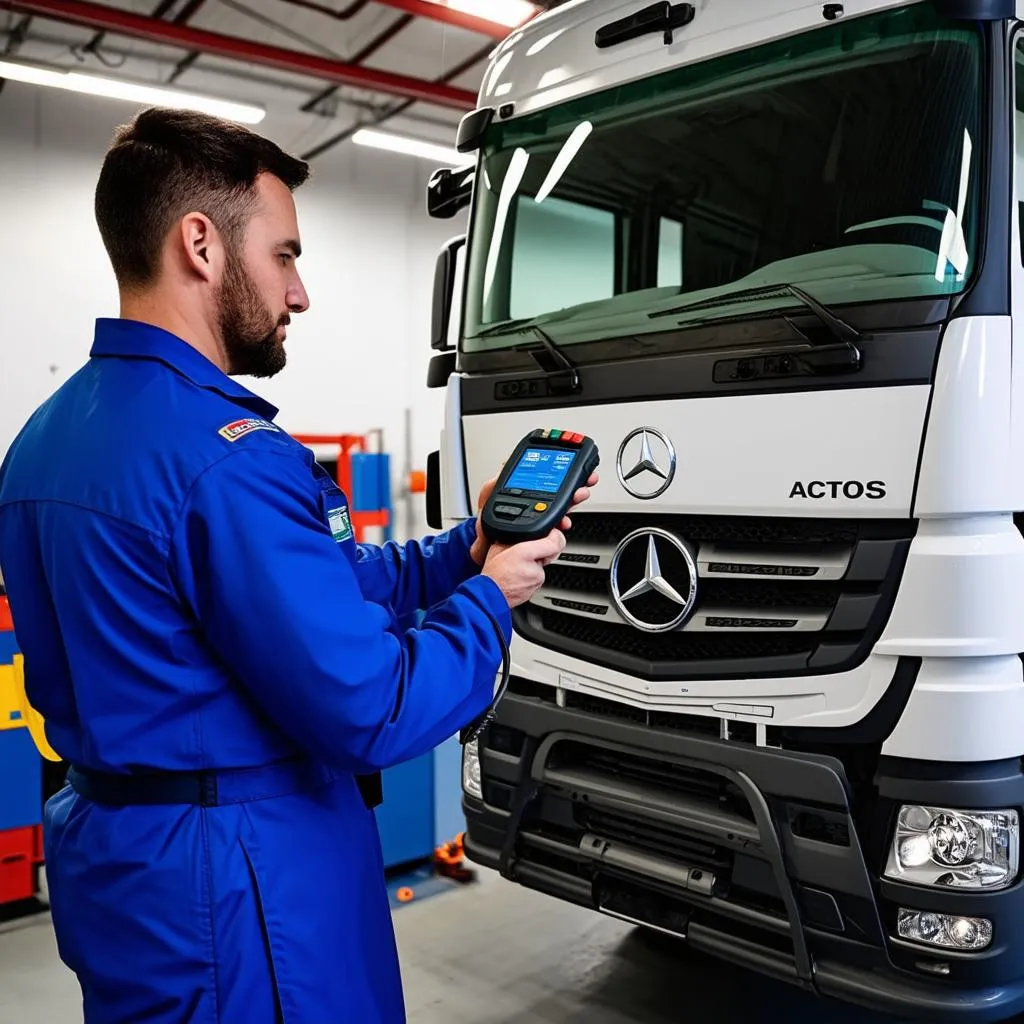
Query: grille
{"x": 662, "y": 840}
{"x": 703, "y": 785}
{"x": 774, "y": 596}
{"x": 673, "y": 647}
{"x": 597, "y": 528}
{"x": 693, "y": 725}
{"x": 754, "y": 593}
{"x": 657, "y": 837}
{"x": 640, "y": 769}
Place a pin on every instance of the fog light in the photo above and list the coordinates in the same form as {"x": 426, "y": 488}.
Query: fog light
{"x": 471, "y": 769}
{"x": 945, "y": 930}
{"x": 955, "y": 849}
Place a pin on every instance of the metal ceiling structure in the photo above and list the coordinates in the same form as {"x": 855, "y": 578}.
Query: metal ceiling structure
{"x": 360, "y": 63}
{"x": 155, "y": 30}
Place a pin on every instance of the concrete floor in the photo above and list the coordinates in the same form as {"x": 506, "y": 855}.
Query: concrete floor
{"x": 493, "y": 953}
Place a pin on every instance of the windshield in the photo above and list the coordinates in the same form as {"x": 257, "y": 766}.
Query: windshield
{"x": 845, "y": 161}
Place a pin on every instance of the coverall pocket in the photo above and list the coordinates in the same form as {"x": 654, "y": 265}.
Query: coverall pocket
{"x": 267, "y": 932}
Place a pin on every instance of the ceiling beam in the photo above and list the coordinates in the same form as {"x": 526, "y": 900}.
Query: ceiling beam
{"x": 139, "y": 26}
{"x": 428, "y": 9}
{"x": 450, "y": 16}
{"x": 386, "y": 115}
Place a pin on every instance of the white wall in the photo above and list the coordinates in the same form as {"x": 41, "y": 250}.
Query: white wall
{"x": 357, "y": 358}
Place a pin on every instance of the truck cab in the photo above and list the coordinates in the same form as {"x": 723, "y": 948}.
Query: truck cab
{"x": 770, "y": 698}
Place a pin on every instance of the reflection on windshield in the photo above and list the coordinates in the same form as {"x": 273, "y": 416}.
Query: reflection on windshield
{"x": 953, "y": 247}
{"x": 842, "y": 161}
{"x": 566, "y": 155}
{"x": 511, "y": 180}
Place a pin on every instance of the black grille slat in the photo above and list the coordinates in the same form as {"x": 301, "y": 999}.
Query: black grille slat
{"x": 752, "y": 593}
{"x": 674, "y": 647}
{"x": 606, "y": 708}
{"x": 694, "y": 725}
{"x": 662, "y": 773}
{"x": 761, "y": 638}
{"x": 755, "y": 593}
{"x": 679, "y": 778}
{"x": 663, "y": 841}
{"x": 757, "y": 532}
{"x": 579, "y": 581}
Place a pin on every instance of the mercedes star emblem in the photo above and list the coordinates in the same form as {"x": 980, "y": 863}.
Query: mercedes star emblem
{"x": 654, "y": 580}
{"x": 646, "y": 462}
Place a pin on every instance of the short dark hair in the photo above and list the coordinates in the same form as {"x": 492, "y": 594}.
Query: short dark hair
{"x": 167, "y": 163}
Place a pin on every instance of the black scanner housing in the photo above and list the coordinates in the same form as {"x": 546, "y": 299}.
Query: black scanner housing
{"x": 512, "y": 515}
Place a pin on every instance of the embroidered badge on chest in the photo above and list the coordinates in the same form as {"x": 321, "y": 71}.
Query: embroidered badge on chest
{"x": 239, "y": 428}
{"x": 339, "y": 523}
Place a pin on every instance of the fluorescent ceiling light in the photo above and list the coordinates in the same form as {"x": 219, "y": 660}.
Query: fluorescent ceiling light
{"x": 410, "y": 147}
{"x": 501, "y": 12}
{"x": 132, "y": 92}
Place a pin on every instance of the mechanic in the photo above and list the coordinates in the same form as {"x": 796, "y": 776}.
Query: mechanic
{"x": 216, "y": 658}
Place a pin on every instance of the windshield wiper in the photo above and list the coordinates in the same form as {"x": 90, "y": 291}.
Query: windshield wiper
{"x": 842, "y": 357}
{"x": 565, "y": 381}
{"x": 508, "y": 327}
{"x": 840, "y": 328}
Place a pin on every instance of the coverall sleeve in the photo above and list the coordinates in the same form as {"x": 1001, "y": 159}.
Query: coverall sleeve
{"x": 417, "y": 574}
{"x": 279, "y": 600}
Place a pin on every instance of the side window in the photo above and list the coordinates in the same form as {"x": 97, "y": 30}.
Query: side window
{"x": 670, "y": 253}
{"x": 563, "y": 254}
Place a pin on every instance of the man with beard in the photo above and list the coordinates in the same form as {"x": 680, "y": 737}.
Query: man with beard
{"x": 216, "y": 658}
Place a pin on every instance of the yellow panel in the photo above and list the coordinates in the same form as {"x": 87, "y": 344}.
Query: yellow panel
{"x": 34, "y": 720}
{"x": 10, "y": 700}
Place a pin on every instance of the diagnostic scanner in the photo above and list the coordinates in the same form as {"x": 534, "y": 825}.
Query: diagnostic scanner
{"x": 536, "y": 485}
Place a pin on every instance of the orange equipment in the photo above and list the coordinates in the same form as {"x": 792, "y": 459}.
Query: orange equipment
{"x": 448, "y": 860}
{"x": 346, "y": 444}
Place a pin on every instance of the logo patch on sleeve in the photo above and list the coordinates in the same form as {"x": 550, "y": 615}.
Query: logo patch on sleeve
{"x": 239, "y": 428}
{"x": 340, "y": 524}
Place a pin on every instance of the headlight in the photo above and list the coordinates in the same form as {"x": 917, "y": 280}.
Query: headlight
{"x": 955, "y": 849}
{"x": 471, "y": 769}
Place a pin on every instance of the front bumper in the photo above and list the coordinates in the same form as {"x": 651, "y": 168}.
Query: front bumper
{"x": 753, "y": 854}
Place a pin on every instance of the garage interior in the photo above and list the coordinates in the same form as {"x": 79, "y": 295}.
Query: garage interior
{"x": 371, "y": 93}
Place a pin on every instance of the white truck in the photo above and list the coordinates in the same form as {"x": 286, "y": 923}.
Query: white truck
{"x": 768, "y": 255}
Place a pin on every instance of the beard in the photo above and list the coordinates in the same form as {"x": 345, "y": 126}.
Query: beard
{"x": 247, "y": 328}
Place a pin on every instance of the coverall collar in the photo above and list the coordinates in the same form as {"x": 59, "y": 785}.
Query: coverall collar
{"x": 131, "y": 339}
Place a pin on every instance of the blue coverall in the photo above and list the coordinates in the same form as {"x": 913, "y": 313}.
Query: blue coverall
{"x": 189, "y": 596}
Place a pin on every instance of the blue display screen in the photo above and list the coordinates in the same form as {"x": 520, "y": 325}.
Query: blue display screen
{"x": 541, "y": 469}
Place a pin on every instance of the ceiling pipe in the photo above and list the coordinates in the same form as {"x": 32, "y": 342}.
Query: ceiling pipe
{"x": 395, "y": 29}
{"x": 138, "y": 26}
{"x": 97, "y": 40}
{"x": 190, "y": 9}
{"x": 396, "y": 111}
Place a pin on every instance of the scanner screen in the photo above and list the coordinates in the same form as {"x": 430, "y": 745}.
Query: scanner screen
{"x": 541, "y": 469}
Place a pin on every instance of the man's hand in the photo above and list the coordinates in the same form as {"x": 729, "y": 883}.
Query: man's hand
{"x": 479, "y": 549}
{"x": 518, "y": 569}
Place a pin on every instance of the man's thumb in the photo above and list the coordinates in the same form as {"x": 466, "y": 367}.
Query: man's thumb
{"x": 545, "y": 547}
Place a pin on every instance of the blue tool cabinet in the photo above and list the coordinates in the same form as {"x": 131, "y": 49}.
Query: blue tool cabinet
{"x": 422, "y": 805}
